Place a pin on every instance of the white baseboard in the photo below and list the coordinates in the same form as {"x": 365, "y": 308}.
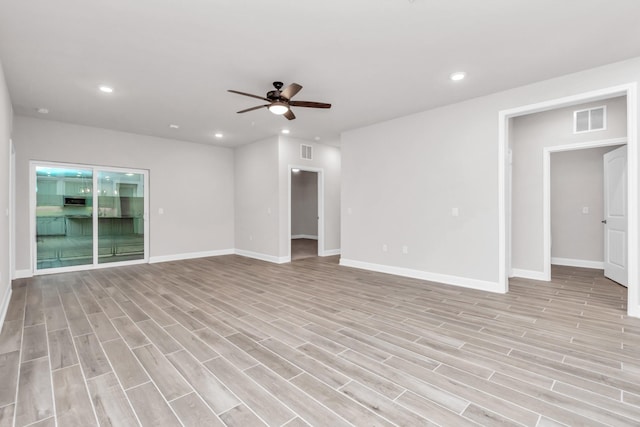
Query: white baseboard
{"x": 331, "y": 252}
{"x": 4, "y": 305}
{"x": 23, "y": 274}
{"x": 578, "y": 263}
{"x": 425, "y": 275}
{"x": 190, "y": 255}
{"x": 529, "y": 274}
{"x": 304, "y": 236}
{"x": 263, "y": 257}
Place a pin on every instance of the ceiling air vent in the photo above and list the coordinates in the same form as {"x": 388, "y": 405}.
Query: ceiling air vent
{"x": 590, "y": 119}
{"x": 306, "y": 152}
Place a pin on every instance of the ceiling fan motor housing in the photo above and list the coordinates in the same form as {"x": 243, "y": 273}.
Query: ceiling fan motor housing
{"x": 273, "y": 95}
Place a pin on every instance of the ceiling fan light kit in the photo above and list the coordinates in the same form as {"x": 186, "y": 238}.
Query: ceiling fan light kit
{"x": 280, "y": 102}
{"x": 278, "y": 108}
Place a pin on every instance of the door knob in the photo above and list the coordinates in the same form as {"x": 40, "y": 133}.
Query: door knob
{"x": 604, "y": 221}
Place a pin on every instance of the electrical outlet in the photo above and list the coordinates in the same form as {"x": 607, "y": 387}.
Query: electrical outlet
{"x": 585, "y": 210}
{"x": 455, "y": 212}
{"x": 250, "y": 237}
{"x": 405, "y": 249}
{"x": 385, "y": 248}
{"x": 160, "y": 211}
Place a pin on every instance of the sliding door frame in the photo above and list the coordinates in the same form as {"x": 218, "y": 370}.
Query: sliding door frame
{"x": 94, "y": 169}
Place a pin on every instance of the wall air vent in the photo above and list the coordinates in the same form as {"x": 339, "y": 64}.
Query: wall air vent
{"x": 306, "y": 152}
{"x": 590, "y": 120}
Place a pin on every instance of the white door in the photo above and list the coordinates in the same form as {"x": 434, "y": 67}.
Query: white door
{"x": 615, "y": 215}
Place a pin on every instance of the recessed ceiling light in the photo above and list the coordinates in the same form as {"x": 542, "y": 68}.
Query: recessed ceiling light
{"x": 218, "y": 135}
{"x": 174, "y": 126}
{"x": 106, "y": 89}
{"x": 286, "y": 131}
{"x": 42, "y": 110}
{"x": 457, "y": 76}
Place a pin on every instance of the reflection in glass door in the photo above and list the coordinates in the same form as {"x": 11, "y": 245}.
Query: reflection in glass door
{"x": 64, "y": 206}
{"x": 120, "y": 216}
{"x": 86, "y": 216}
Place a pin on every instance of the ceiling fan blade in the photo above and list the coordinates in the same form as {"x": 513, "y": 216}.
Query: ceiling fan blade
{"x": 253, "y": 108}
{"x": 290, "y": 91}
{"x": 309, "y": 104}
{"x": 289, "y": 115}
{"x": 248, "y": 94}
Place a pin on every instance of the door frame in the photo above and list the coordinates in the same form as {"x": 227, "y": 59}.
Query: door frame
{"x": 504, "y": 199}
{"x": 546, "y": 190}
{"x": 94, "y": 265}
{"x": 320, "y": 172}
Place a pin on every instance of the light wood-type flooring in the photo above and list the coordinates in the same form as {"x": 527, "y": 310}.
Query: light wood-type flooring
{"x": 238, "y": 342}
{"x": 303, "y": 248}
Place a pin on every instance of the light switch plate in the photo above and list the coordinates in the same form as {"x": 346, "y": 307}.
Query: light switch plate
{"x": 455, "y": 212}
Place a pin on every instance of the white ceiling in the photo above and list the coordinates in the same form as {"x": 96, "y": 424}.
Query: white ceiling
{"x": 172, "y": 61}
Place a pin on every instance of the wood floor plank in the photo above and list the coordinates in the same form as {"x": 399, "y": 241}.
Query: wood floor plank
{"x": 34, "y": 342}
{"x": 6, "y": 415}
{"x": 432, "y": 411}
{"x": 382, "y": 406}
{"x": 110, "y": 402}
{"x": 102, "y": 327}
{"x": 192, "y": 411}
{"x": 35, "y": 400}
{"x": 303, "y": 405}
{"x": 158, "y": 336}
{"x": 307, "y": 364}
{"x": 271, "y": 360}
{"x": 192, "y": 343}
{"x": 11, "y": 336}
{"x": 34, "y": 310}
{"x": 130, "y": 332}
{"x": 162, "y": 372}
{"x": 150, "y": 407}
{"x": 125, "y": 364}
{"x": 216, "y": 394}
{"x": 240, "y": 416}
{"x": 338, "y": 402}
{"x": 9, "y": 363}
{"x": 92, "y": 358}
{"x": 61, "y": 350}
{"x": 375, "y": 382}
{"x": 73, "y": 407}
{"x": 267, "y": 407}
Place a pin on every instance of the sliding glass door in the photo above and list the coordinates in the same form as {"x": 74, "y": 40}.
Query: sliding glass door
{"x": 64, "y": 208}
{"x": 86, "y": 216}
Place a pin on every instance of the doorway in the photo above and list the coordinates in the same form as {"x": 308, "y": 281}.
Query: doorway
{"x": 305, "y": 218}
{"x": 504, "y": 197}
{"x": 574, "y": 205}
{"x": 87, "y": 216}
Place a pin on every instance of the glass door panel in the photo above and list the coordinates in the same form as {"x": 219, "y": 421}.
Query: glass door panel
{"x": 64, "y": 211}
{"x": 120, "y": 216}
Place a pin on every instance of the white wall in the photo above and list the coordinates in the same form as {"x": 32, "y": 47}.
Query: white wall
{"x": 401, "y": 178}
{"x": 193, "y": 183}
{"x": 577, "y": 182}
{"x": 529, "y": 135}
{"x": 304, "y": 204}
{"x": 327, "y": 159}
{"x": 257, "y": 200}
{"x": 6, "y": 118}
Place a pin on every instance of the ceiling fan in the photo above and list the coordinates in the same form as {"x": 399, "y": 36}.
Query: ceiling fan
{"x": 279, "y": 101}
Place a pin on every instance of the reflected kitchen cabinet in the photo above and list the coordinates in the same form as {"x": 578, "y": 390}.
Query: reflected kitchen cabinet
{"x": 50, "y": 226}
